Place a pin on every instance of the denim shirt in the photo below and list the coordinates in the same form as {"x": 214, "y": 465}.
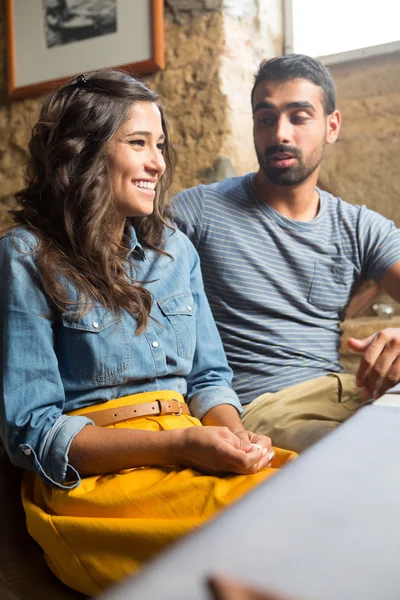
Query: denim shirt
{"x": 53, "y": 363}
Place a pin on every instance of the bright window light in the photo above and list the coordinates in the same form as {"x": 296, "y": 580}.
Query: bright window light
{"x": 321, "y": 28}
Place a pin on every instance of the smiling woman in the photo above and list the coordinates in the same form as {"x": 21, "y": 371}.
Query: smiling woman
{"x": 116, "y": 394}
{"x": 79, "y": 138}
{"x": 136, "y": 161}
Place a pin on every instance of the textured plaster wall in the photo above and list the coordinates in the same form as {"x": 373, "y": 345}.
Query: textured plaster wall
{"x": 363, "y": 166}
{"x": 191, "y": 87}
{"x": 252, "y": 32}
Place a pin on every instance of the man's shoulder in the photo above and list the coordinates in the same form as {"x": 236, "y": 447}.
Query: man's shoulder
{"x": 227, "y": 185}
{"x": 337, "y": 200}
{"x": 218, "y": 188}
{"x": 342, "y": 209}
{"x": 339, "y": 208}
{"x": 201, "y": 208}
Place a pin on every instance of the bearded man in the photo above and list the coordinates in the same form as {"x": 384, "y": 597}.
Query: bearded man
{"x": 281, "y": 260}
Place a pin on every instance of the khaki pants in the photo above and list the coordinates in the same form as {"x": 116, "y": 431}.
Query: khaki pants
{"x": 298, "y": 416}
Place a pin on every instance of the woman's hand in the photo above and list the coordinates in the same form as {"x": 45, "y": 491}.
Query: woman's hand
{"x": 209, "y": 449}
{"x": 258, "y": 440}
{"x": 219, "y": 450}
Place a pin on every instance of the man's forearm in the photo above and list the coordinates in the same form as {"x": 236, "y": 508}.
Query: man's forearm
{"x": 391, "y": 282}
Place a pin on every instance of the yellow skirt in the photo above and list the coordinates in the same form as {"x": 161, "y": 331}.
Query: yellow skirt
{"x": 109, "y": 525}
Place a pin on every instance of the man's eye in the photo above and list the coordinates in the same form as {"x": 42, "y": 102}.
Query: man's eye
{"x": 299, "y": 118}
{"x": 266, "y": 120}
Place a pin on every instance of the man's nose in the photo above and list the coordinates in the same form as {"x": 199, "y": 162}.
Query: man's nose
{"x": 283, "y": 130}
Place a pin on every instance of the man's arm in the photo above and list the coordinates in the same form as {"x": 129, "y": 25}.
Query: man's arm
{"x": 390, "y": 282}
{"x": 379, "y": 368}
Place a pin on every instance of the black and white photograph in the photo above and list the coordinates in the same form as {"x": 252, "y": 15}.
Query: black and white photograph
{"x": 67, "y": 21}
{"x": 51, "y": 41}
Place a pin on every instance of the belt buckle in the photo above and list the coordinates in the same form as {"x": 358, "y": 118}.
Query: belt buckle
{"x": 176, "y": 414}
{"x": 180, "y": 409}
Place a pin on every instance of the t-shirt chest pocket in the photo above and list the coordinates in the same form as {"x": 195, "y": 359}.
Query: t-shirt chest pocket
{"x": 96, "y": 345}
{"x": 331, "y": 284}
{"x": 180, "y": 310}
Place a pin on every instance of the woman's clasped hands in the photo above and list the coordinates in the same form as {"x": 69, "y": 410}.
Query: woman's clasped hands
{"x": 216, "y": 449}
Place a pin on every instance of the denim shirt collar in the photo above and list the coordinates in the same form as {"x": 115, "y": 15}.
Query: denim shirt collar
{"x": 134, "y": 244}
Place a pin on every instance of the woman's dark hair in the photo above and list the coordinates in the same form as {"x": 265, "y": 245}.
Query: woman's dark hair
{"x": 68, "y": 201}
{"x": 298, "y": 66}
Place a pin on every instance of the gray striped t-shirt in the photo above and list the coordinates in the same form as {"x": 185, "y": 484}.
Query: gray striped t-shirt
{"x": 278, "y": 288}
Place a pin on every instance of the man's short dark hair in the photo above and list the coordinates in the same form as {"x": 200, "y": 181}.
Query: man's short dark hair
{"x": 298, "y": 66}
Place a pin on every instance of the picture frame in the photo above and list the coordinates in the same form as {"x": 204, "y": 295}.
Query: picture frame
{"x": 51, "y": 41}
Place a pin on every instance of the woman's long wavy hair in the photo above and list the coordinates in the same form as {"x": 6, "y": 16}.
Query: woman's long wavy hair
{"x": 68, "y": 201}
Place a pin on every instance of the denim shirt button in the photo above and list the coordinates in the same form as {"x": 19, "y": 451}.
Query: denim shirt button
{"x": 95, "y": 324}
{"x": 189, "y": 307}
{"x": 27, "y": 451}
{"x": 155, "y": 344}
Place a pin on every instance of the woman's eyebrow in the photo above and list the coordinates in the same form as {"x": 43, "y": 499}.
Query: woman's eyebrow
{"x": 145, "y": 134}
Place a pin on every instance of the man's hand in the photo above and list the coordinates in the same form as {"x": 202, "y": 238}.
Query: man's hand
{"x": 379, "y": 369}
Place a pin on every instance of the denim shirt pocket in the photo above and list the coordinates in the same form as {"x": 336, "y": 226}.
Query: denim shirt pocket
{"x": 331, "y": 285}
{"x": 180, "y": 310}
{"x": 96, "y": 344}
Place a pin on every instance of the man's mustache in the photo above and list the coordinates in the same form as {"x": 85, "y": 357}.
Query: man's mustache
{"x": 283, "y": 149}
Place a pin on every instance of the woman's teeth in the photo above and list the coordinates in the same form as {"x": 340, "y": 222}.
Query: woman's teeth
{"x": 148, "y": 185}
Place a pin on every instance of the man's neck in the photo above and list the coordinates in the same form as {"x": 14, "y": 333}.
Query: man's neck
{"x": 299, "y": 202}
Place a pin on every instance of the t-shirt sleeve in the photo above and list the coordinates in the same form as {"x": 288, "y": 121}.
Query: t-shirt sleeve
{"x": 379, "y": 241}
{"x": 188, "y": 212}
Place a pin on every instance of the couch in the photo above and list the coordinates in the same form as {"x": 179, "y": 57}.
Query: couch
{"x": 24, "y": 574}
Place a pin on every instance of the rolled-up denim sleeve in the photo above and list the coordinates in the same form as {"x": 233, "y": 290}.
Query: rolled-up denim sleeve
{"x": 36, "y": 434}
{"x": 209, "y": 382}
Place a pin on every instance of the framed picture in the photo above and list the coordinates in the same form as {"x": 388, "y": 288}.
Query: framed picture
{"x": 51, "y": 41}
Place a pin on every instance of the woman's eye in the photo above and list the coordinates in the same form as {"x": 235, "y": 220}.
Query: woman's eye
{"x": 161, "y": 146}
{"x": 137, "y": 142}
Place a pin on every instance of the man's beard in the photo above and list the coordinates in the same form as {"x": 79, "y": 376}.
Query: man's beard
{"x": 289, "y": 176}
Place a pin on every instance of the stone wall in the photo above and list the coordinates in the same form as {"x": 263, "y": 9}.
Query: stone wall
{"x": 252, "y": 32}
{"x": 363, "y": 166}
{"x": 191, "y": 88}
